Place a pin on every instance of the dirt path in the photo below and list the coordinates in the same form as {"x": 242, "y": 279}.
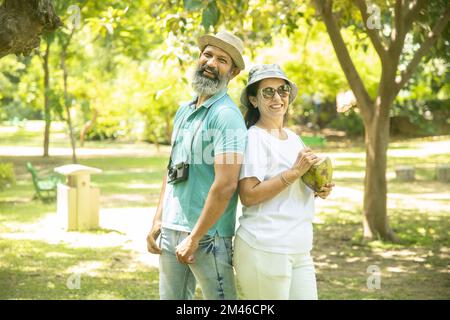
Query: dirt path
{"x": 124, "y": 227}
{"x": 140, "y": 149}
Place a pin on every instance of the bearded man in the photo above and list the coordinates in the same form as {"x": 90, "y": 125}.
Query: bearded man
{"x": 196, "y": 215}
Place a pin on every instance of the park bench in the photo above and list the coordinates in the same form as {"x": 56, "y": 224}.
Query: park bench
{"x": 45, "y": 187}
{"x": 314, "y": 141}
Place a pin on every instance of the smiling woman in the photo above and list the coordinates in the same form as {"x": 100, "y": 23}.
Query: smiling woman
{"x": 266, "y": 91}
{"x": 273, "y": 242}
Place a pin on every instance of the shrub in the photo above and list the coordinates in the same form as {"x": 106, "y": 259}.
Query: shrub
{"x": 7, "y": 177}
{"x": 348, "y": 121}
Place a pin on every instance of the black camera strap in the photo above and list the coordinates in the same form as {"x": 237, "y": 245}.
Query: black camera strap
{"x": 193, "y": 136}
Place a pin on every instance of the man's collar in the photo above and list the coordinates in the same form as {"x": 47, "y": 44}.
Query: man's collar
{"x": 210, "y": 101}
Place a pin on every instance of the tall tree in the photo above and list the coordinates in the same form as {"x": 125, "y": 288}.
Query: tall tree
{"x": 64, "y": 47}
{"x": 49, "y": 39}
{"x": 65, "y": 41}
{"x": 47, "y": 89}
{"x": 375, "y": 110}
{"x": 71, "y": 14}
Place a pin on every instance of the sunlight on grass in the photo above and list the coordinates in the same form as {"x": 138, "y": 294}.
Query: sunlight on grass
{"x": 37, "y": 256}
{"x": 46, "y": 277}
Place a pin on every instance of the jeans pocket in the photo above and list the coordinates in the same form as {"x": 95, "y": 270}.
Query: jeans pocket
{"x": 228, "y": 242}
{"x": 206, "y": 243}
{"x": 164, "y": 241}
{"x": 206, "y": 239}
{"x": 160, "y": 239}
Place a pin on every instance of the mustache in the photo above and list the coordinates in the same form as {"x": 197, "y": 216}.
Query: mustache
{"x": 214, "y": 71}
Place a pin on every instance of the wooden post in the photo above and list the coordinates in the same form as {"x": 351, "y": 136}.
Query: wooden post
{"x": 78, "y": 202}
{"x": 95, "y": 207}
{"x": 66, "y": 208}
{"x": 443, "y": 172}
{"x": 82, "y": 185}
{"x": 405, "y": 173}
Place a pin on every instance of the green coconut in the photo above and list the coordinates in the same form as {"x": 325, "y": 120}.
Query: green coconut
{"x": 319, "y": 174}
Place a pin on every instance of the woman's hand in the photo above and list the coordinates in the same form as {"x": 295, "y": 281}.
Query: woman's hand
{"x": 325, "y": 191}
{"x": 305, "y": 159}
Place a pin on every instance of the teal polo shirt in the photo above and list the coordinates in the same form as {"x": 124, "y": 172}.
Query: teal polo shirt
{"x": 222, "y": 131}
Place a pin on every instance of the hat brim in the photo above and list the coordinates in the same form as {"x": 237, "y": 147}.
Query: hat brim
{"x": 206, "y": 40}
{"x": 292, "y": 95}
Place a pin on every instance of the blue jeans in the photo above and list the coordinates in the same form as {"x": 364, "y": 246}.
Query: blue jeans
{"x": 212, "y": 268}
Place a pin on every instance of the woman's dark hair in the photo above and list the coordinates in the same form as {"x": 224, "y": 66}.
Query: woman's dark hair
{"x": 252, "y": 115}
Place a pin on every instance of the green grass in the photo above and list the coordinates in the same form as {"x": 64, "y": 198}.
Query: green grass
{"x": 50, "y": 267}
{"x": 136, "y": 176}
{"x": 23, "y": 212}
{"x": 415, "y": 268}
{"x": 141, "y": 176}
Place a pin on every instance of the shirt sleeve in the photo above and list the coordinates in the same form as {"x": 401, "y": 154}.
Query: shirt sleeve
{"x": 230, "y": 133}
{"x": 256, "y": 157}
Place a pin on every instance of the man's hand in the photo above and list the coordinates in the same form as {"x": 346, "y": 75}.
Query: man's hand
{"x": 186, "y": 249}
{"x": 154, "y": 233}
{"x": 325, "y": 191}
{"x": 152, "y": 247}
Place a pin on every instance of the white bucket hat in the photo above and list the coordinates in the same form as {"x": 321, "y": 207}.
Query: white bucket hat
{"x": 264, "y": 71}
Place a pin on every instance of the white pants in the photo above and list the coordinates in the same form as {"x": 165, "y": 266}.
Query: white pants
{"x": 273, "y": 276}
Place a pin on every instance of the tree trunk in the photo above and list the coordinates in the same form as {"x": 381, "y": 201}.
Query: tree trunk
{"x": 375, "y": 113}
{"x": 88, "y": 126}
{"x": 67, "y": 104}
{"x": 47, "y": 99}
{"x": 22, "y": 23}
{"x": 375, "y": 221}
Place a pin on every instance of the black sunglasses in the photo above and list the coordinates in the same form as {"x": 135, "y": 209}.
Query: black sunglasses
{"x": 269, "y": 92}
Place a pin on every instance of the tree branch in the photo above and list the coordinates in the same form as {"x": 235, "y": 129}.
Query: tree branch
{"x": 398, "y": 18}
{"x": 22, "y": 23}
{"x": 423, "y": 50}
{"x": 377, "y": 41}
{"x": 398, "y": 34}
{"x": 324, "y": 7}
{"x": 413, "y": 12}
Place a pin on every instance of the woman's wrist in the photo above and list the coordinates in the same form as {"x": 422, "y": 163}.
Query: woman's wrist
{"x": 289, "y": 176}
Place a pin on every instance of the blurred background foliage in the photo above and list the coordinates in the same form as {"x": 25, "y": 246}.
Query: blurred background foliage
{"x": 130, "y": 62}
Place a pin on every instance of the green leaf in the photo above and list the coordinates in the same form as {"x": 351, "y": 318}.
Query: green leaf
{"x": 191, "y": 5}
{"x": 210, "y": 15}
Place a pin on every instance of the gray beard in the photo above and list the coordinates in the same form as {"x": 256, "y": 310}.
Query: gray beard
{"x": 205, "y": 86}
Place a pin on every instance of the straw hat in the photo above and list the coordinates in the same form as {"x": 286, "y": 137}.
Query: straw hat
{"x": 227, "y": 42}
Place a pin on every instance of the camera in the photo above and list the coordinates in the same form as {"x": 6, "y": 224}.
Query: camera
{"x": 178, "y": 172}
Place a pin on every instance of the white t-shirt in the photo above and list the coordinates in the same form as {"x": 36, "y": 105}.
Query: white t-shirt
{"x": 282, "y": 224}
